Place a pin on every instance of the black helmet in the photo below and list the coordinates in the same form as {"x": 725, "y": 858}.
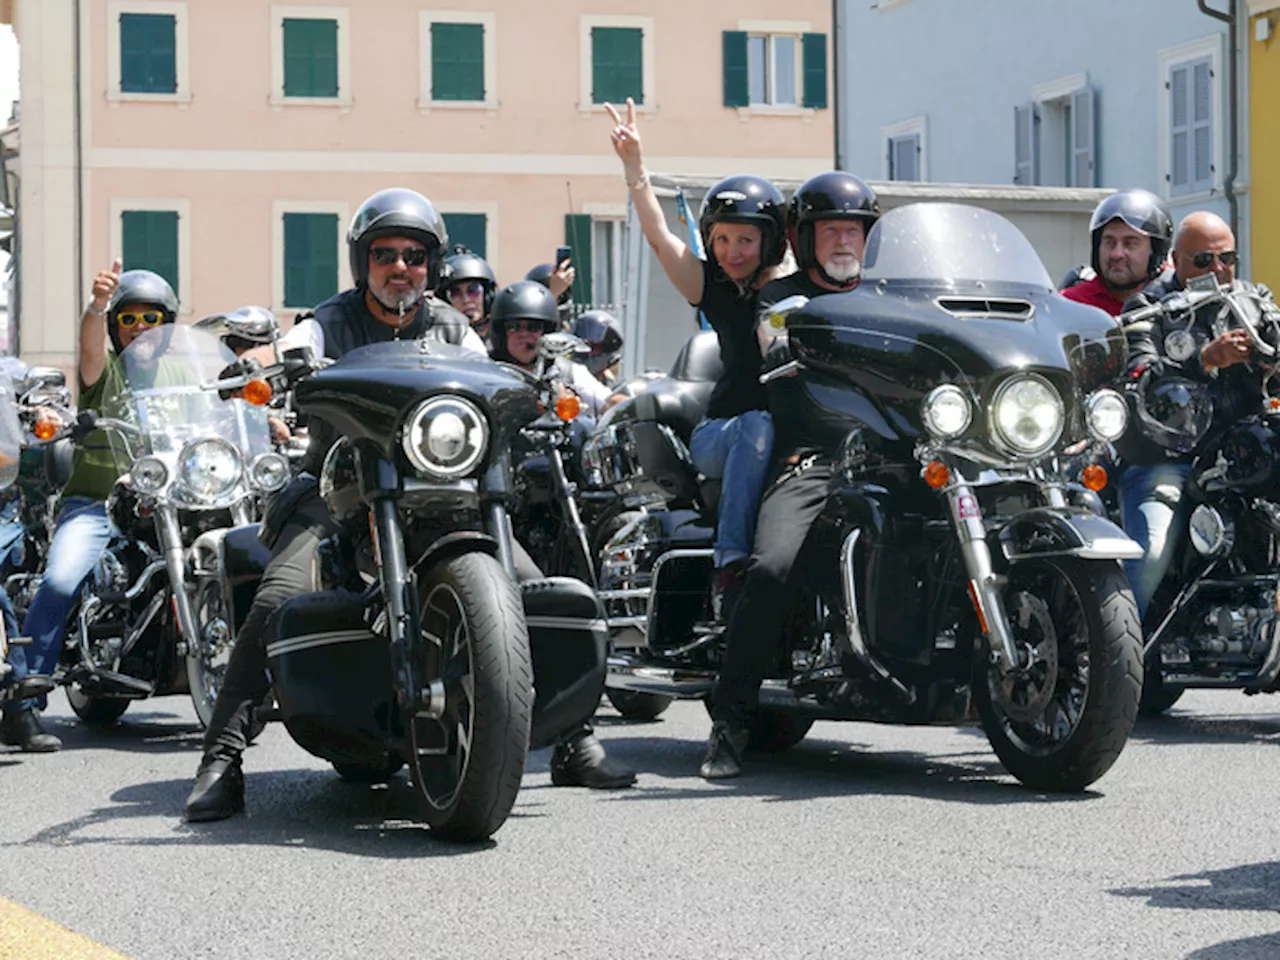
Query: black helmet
{"x": 834, "y": 195}
{"x": 1173, "y": 412}
{"x": 465, "y": 266}
{"x": 140, "y": 286}
{"x": 396, "y": 212}
{"x": 603, "y": 332}
{"x": 1144, "y": 212}
{"x": 747, "y": 199}
{"x": 542, "y": 274}
{"x": 1082, "y": 273}
{"x": 522, "y": 300}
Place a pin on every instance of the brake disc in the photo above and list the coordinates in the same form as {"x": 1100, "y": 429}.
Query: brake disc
{"x": 1025, "y": 692}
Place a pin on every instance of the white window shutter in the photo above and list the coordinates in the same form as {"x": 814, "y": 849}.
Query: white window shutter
{"x": 1084, "y": 148}
{"x": 1180, "y": 129}
{"x": 1024, "y": 145}
{"x": 1201, "y": 161}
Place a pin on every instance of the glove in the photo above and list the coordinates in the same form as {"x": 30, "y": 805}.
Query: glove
{"x": 244, "y": 367}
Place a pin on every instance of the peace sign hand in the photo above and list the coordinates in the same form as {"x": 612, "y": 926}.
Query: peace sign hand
{"x": 626, "y": 139}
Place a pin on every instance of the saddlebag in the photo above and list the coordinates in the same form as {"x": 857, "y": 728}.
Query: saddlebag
{"x": 568, "y": 639}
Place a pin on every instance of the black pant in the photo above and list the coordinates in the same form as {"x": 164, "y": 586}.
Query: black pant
{"x": 787, "y": 513}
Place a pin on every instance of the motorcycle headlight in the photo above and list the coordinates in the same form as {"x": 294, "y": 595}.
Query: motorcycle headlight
{"x": 1026, "y": 415}
{"x": 1107, "y": 415}
{"x": 149, "y": 475}
{"x": 209, "y": 468}
{"x": 270, "y": 472}
{"x": 445, "y": 437}
{"x": 947, "y": 412}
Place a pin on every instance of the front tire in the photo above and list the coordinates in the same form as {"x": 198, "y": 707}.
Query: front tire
{"x": 777, "y": 731}
{"x": 466, "y": 764}
{"x": 207, "y": 663}
{"x": 97, "y": 711}
{"x": 1062, "y": 722}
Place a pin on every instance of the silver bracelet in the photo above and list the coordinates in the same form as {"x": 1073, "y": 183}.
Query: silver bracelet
{"x": 639, "y": 181}
{"x": 91, "y": 309}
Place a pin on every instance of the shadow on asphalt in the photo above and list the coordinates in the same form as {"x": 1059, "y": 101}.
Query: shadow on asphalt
{"x": 1254, "y": 948}
{"x": 1253, "y": 886}
{"x": 146, "y": 731}
{"x": 1175, "y": 728}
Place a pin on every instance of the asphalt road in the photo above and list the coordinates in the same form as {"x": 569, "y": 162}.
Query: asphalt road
{"x": 864, "y": 841}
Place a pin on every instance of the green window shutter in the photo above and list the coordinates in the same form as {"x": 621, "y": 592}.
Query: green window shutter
{"x": 310, "y": 58}
{"x": 150, "y": 241}
{"x": 147, "y": 60}
{"x": 310, "y": 258}
{"x": 457, "y": 61}
{"x": 617, "y": 64}
{"x": 815, "y": 70}
{"x": 577, "y": 234}
{"x": 467, "y": 229}
{"x": 735, "y": 69}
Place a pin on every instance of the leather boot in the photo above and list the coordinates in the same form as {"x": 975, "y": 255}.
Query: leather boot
{"x": 23, "y": 730}
{"x": 218, "y": 792}
{"x": 579, "y": 760}
{"x": 724, "y": 751}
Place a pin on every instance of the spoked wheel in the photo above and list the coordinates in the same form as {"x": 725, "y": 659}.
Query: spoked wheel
{"x": 207, "y": 663}
{"x": 1060, "y": 720}
{"x": 466, "y": 759}
{"x": 96, "y": 710}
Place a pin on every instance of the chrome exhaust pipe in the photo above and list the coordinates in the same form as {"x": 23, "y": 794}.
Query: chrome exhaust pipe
{"x": 627, "y": 673}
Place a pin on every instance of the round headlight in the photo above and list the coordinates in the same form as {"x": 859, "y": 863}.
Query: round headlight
{"x": 149, "y": 475}
{"x": 1027, "y": 415}
{"x": 1106, "y": 414}
{"x": 947, "y": 411}
{"x": 270, "y": 472}
{"x": 210, "y": 468}
{"x": 446, "y": 437}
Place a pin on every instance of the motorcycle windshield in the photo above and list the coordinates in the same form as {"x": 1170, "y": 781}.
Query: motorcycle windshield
{"x": 161, "y": 395}
{"x": 10, "y": 431}
{"x": 951, "y": 245}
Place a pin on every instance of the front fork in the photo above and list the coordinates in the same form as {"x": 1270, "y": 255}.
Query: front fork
{"x": 169, "y": 534}
{"x": 401, "y": 599}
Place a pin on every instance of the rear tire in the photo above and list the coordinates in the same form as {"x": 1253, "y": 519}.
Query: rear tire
{"x": 363, "y": 774}
{"x": 777, "y": 731}
{"x": 641, "y": 707}
{"x": 97, "y": 711}
{"x": 1157, "y": 697}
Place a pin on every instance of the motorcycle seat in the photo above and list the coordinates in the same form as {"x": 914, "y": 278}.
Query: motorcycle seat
{"x": 699, "y": 359}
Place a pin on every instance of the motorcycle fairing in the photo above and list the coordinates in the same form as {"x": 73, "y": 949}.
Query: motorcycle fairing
{"x": 1064, "y": 532}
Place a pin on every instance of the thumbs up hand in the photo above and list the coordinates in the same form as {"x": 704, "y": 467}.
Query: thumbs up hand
{"x": 104, "y": 285}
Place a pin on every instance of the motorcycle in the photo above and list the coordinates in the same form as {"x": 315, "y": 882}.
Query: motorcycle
{"x": 952, "y": 569}
{"x": 1214, "y": 622}
{"x": 158, "y": 614}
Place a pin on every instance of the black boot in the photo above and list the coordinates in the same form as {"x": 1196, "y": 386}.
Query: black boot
{"x": 218, "y": 792}
{"x": 579, "y": 760}
{"x": 724, "y": 751}
{"x": 23, "y": 730}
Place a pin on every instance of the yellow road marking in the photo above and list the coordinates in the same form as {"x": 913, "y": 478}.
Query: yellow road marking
{"x": 28, "y": 936}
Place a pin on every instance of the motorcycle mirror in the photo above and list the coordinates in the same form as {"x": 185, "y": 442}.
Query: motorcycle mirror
{"x": 253, "y": 323}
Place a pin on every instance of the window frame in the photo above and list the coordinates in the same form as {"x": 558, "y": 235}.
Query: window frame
{"x": 916, "y": 126}
{"x": 487, "y": 20}
{"x": 648, "y": 71}
{"x": 489, "y": 208}
{"x": 181, "y": 51}
{"x": 342, "y": 15}
{"x": 1185, "y": 54}
{"x": 775, "y": 28}
{"x": 1059, "y": 97}
{"x": 278, "y": 209}
{"x": 179, "y": 205}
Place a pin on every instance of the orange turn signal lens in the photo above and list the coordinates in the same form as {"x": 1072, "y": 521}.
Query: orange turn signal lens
{"x": 257, "y": 392}
{"x": 1094, "y": 477}
{"x": 46, "y": 429}
{"x": 937, "y": 475}
{"x": 568, "y": 407}
{"x": 1273, "y": 404}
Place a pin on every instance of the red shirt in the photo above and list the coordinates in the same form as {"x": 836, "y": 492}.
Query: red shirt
{"x": 1095, "y": 293}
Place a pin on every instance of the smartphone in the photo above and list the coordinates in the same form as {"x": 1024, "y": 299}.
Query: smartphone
{"x": 562, "y": 254}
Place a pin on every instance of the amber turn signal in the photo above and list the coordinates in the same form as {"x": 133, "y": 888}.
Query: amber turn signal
{"x": 46, "y": 429}
{"x": 937, "y": 475}
{"x": 1273, "y": 404}
{"x": 1094, "y": 477}
{"x": 257, "y": 392}
{"x": 568, "y": 407}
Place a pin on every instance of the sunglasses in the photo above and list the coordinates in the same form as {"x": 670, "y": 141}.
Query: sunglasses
{"x": 1205, "y": 258}
{"x": 472, "y": 288}
{"x": 386, "y": 256}
{"x": 148, "y": 318}
{"x": 525, "y": 326}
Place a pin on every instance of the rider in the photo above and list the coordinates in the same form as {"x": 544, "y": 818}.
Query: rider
{"x": 743, "y": 227}
{"x": 558, "y": 278}
{"x": 601, "y": 330}
{"x": 240, "y": 342}
{"x": 1130, "y": 233}
{"x": 123, "y": 305}
{"x": 1191, "y": 364}
{"x": 829, "y": 218}
{"x": 469, "y": 285}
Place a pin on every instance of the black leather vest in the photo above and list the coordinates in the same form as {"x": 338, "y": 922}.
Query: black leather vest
{"x": 348, "y": 324}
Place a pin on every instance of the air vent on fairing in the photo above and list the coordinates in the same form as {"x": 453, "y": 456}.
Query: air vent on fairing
{"x": 987, "y": 308}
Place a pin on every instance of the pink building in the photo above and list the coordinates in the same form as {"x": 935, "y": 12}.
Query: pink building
{"x": 226, "y": 144}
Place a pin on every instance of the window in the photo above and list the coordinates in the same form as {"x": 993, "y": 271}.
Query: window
{"x": 1055, "y": 135}
{"x": 1190, "y": 105}
{"x": 905, "y": 150}
{"x": 457, "y": 61}
{"x": 468, "y": 229}
{"x": 147, "y": 50}
{"x": 775, "y": 64}
{"x": 310, "y": 56}
{"x": 149, "y": 241}
{"x": 310, "y": 258}
{"x": 616, "y": 61}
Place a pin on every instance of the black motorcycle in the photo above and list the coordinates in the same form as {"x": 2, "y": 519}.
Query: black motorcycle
{"x": 952, "y": 567}
{"x": 1215, "y": 620}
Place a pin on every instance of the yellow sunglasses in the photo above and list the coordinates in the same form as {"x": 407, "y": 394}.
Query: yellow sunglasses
{"x": 148, "y": 318}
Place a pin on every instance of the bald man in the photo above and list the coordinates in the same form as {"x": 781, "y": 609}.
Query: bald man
{"x": 1194, "y": 367}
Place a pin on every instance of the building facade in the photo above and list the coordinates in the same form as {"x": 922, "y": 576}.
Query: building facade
{"x": 226, "y": 144}
{"x": 1264, "y": 140}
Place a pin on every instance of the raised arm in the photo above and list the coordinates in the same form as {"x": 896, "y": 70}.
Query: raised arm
{"x": 93, "y": 325}
{"x": 681, "y": 266}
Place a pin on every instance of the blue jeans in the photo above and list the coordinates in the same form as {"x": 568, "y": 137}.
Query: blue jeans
{"x": 1153, "y": 510}
{"x": 735, "y": 450}
{"x": 78, "y": 543}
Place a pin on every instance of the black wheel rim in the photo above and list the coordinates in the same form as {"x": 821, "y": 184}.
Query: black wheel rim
{"x": 1042, "y": 705}
{"x": 442, "y": 745}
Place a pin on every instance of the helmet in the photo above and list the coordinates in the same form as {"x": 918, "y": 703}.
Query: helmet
{"x": 1173, "y": 412}
{"x": 603, "y": 332}
{"x": 396, "y": 212}
{"x": 1144, "y": 212}
{"x": 140, "y": 286}
{"x": 542, "y": 274}
{"x": 834, "y": 195}
{"x": 1082, "y": 273}
{"x": 464, "y": 266}
{"x": 747, "y": 199}
{"x": 522, "y": 300}
{"x": 253, "y": 326}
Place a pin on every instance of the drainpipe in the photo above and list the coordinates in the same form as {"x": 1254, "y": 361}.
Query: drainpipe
{"x": 1233, "y": 108}
{"x": 835, "y": 81}
{"x": 79, "y": 166}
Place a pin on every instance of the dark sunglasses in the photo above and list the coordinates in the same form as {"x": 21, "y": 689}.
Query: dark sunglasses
{"x": 1205, "y": 258}
{"x": 386, "y": 256}
{"x": 472, "y": 288}
{"x": 148, "y": 318}
{"x": 525, "y": 326}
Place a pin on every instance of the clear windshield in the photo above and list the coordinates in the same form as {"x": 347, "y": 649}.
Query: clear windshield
{"x": 160, "y": 392}
{"x": 10, "y": 432}
{"x": 950, "y": 243}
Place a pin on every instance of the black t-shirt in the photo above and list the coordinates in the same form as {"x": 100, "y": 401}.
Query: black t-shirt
{"x": 733, "y": 317}
{"x": 797, "y": 283}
